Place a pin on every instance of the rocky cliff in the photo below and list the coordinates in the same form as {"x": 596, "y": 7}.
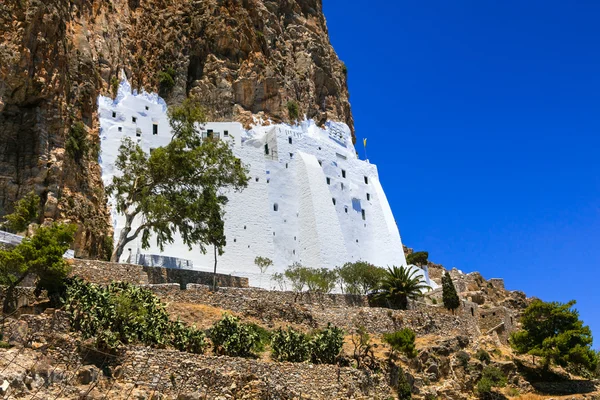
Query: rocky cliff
{"x": 243, "y": 58}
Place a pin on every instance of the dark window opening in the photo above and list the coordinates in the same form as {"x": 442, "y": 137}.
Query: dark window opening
{"x": 226, "y": 133}
{"x": 291, "y": 155}
{"x": 209, "y": 133}
{"x": 343, "y": 173}
{"x": 275, "y": 207}
{"x": 147, "y": 108}
{"x": 256, "y": 179}
{"x": 234, "y": 240}
{"x": 120, "y": 129}
{"x": 472, "y": 312}
{"x": 320, "y": 163}
{"x": 333, "y": 201}
{"x": 346, "y": 209}
{"x": 368, "y": 196}
{"x": 290, "y": 140}
{"x": 342, "y": 186}
{"x": 154, "y": 129}
{"x": 294, "y": 252}
{"x": 244, "y": 226}
{"x": 114, "y": 114}
{"x": 266, "y": 148}
{"x": 133, "y": 119}
{"x": 286, "y": 165}
{"x": 268, "y": 180}
{"x": 329, "y": 181}
{"x": 366, "y": 180}
{"x": 138, "y": 132}
{"x": 364, "y": 216}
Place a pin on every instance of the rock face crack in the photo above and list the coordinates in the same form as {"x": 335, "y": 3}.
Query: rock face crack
{"x": 241, "y": 58}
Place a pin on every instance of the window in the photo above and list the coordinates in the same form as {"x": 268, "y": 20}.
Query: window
{"x": 364, "y": 216}
{"x": 346, "y": 209}
{"x": 275, "y": 207}
{"x": 256, "y": 179}
{"x": 155, "y": 129}
{"x": 147, "y": 108}
{"x": 290, "y": 140}
{"x": 291, "y": 155}
{"x": 226, "y": 133}
{"x": 266, "y": 149}
{"x": 286, "y": 165}
{"x": 120, "y": 129}
{"x": 342, "y": 185}
{"x": 333, "y": 201}
{"x": 320, "y": 163}
{"x": 343, "y": 173}
{"x": 114, "y": 114}
{"x": 138, "y": 132}
{"x": 368, "y": 196}
{"x": 244, "y": 227}
{"x": 366, "y": 180}
{"x": 133, "y": 119}
{"x": 209, "y": 133}
{"x": 329, "y": 181}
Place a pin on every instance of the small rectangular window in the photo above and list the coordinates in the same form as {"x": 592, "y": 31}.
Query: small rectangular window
{"x": 209, "y": 133}
{"x": 114, "y": 114}
{"x": 342, "y": 185}
{"x": 320, "y": 163}
{"x": 364, "y": 216}
{"x": 120, "y": 129}
{"x": 138, "y": 132}
{"x": 291, "y": 155}
{"x": 266, "y": 149}
{"x": 343, "y": 173}
{"x": 154, "y": 129}
{"x": 290, "y": 140}
{"x": 366, "y": 180}
{"x": 147, "y": 108}
{"x": 333, "y": 201}
{"x": 329, "y": 181}
{"x": 368, "y": 196}
{"x": 133, "y": 119}
{"x": 226, "y": 133}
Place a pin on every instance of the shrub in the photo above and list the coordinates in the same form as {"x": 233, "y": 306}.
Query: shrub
{"x": 403, "y": 389}
{"x": 290, "y": 345}
{"x": 402, "y": 341}
{"x": 166, "y": 78}
{"x": 483, "y": 356}
{"x": 264, "y": 337}
{"x": 263, "y": 263}
{"x": 316, "y": 280}
{"x": 114, "y": 86}
{"x": 293, "y": 110}
{"x": 491, "y": 377}
{"x": 77, "y": 145}
{"x": 449, "y": 295}
{"x": 417, "y": 258}
{"x": 327, "y": 344}
{"x": 26, "y": 210}
{"x": 359, "y": 277}
{"x": 232, "y": 338}
{"x": 122, "y": 313}
{"x": 463, "y": 358}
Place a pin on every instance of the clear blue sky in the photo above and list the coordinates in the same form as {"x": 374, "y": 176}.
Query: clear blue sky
{"x": 490, "y": 153}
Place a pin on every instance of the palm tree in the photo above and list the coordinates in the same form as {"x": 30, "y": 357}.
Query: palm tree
{"x": 400, "y": 284}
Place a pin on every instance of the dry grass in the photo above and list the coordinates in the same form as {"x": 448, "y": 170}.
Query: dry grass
{"x": 201, "y": 315}
{"x": 531, "y": 396}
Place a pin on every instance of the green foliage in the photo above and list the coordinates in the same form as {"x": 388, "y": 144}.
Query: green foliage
{"x": 483, "y": 356}
{"x": 279, "y": 279}
{"x": 42, "y": 255}
{"x": 263, "y": 263}
{"x": 293, "y": 110}
{"x": 450, "y": 297}
{"x": 264, "y": 337}
{"x": 290, "y": 345}
{"x": 166, "y": 78}
{"x": 177, "y": 188}
{"x": 232, "y": 338}
{"x": 399, "y": 285}
{"x": 491, "y": 377}
{"x": 403, "y": 388}
{"x": 114, "y": 85}
{"x": 77, "y": 144}
{"x": 26, "y": 211}
{"x": 4, "y": 345}
{"x": 359, "y": 277}
{"x": 321, "y": 280}
{"x": 463, "y": 358}
{"x": 554, "y": 332}
{"x": 402, "y": 341}
{"x": 122, "y": 313}
{"x": 417, "y": 258}
{"x": 327, "y": 344}
{"x": 363, "y": 349}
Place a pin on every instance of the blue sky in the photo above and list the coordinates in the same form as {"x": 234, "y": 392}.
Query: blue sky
{"x": 489, "y": 156}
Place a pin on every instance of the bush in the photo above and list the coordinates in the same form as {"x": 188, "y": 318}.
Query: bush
{"x": 114, "y": 86}
{"x": 77, "y": 145}
{"x": 463, "y": 358}
{"x": 264, "y": 337}
{"x": 290, "y": 345}
{"x": 483, "y": 356}
{"x": 491, "y": 377}
{"x": 121, "y": 313}
{"x": 402, "y": 341}
{"x": 293, "y": 110}
{"x": 403, "y": 389}
{"x": 232, "y": 338}
{"x": 449, "y": 295}
{"x": 359, "y": 277}
{"x": 327, "y": 344}
{"x": 26, "y": 210}
{"x": 417, "y": 258}
{"x": 316, "y": 280}
{"x": 166, "y": 79}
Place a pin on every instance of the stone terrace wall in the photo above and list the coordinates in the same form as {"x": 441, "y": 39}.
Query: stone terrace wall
{"x": 105, "y": 272}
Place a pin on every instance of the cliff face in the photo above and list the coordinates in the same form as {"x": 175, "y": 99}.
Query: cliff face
{"x": 243, "y": 58}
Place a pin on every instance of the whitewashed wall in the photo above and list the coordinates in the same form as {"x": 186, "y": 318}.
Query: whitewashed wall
{"x": 287, "y": 213}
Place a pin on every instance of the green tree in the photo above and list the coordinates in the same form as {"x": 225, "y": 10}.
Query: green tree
{"x": 232, "y": 338}
{"x": 77, "y": 145}
{"x": 451, "y": 300}
{"x": 491, "y": 377}
{"x": 176, "y": 188}
{"x": 42, "y": 255}
{"x": 418, "y": 258}
{"x": 401, "y": 284}
{"x": 402, "y": 341}
{"x": 290, "y": 345}
{"x": 263, "y": 263}
{"x": 553, "y": 331}
{"x": 26, "y": 211}
{"x": 327, "y": 344}
{"x": 359, "y": 277}
{"x": 293, "y": 110}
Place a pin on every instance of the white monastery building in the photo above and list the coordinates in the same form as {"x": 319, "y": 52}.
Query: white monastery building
{"x": 309, "y": 199}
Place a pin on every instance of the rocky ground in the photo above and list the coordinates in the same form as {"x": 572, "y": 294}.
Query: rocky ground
{"x": 48, "y": 361}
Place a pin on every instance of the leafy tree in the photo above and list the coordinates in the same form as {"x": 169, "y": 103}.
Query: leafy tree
{"x": 491, "y": 377}
{"x": 298, "y": 275}
{"x": 177, "y": 187}
{"x": 77, "y": 145}
{"x": 290, "y": 345}
{"x": 451, "y": 300}
{"x": 402, "y": 341}
{"x": 263, "y": 263}
{"x": 232, "y": 338}
{"x": 418, "y": 258}
{"x": 327, "y": 344}
{"x": 320, "y": 280}
{"x": 26, "y": 211}
{"x": 293, "y": 110}
{"x": 403, "y": 388}
{"x": 553, "y": 331}
{"x": 359, "y": 277}
{"x": 399, "y": 285}
{"x": 166, "y": 79}
{"x": 279, "y": 279}
{"x": 42, "y": 255}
